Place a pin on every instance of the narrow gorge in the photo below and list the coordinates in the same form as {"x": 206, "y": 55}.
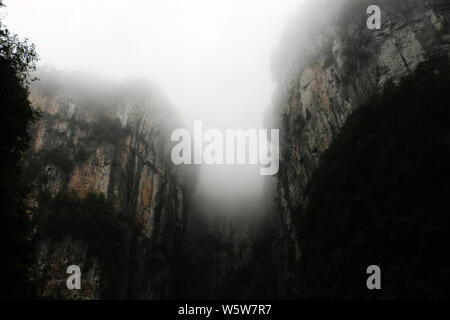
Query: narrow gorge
{"x": 363, "y": 179}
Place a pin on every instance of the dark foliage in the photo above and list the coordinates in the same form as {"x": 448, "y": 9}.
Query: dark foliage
{"x": 93, "y": 221}
{"x": 208, "y": 266}
{"x": 58, "y": 156}
{"x": 108, "y": 129}
{"x": 359, "y": 46}
{"x": 81, "y": 154}
{"x": 194, "y": 276}
{"x": 17, "y": 59}
{"x": 380, "y": 196}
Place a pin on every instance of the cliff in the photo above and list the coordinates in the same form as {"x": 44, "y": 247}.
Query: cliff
{"x": 326, "y": 69}
{"x": 105, "y": 195}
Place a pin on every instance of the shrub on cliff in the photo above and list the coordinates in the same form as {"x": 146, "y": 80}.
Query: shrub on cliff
{"x": 94, "y": 221}
{"x": 91, "y": 219}
{"x": 58, "y": 156}
{"x": 108, "y": 129}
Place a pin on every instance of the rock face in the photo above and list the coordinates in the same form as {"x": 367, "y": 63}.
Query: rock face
{"x": 325, "y": 70}
{"x": 113, "y": 140}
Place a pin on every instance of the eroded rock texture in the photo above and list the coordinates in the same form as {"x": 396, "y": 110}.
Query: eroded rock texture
{"x": 325, "y": 69}
{"x": 109, "y": 139}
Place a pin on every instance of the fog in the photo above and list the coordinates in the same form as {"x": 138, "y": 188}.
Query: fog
{"x": 212, "y": 60}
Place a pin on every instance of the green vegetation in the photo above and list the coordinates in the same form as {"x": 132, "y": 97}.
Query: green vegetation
{"x": 357, "y": 49}
{"x": 199, "y": 252}
{"x": 58, "y": 156}
{"x": 81, "y": 154}
{"x": 356, "y": 53}
{"x": 327, "y": 53}
{"x": 205, "y": 269}
{"x": 380, "y": 196}
{"x": 108, "y": 129}
{"x": 92, "y": 220}
{"x": 17, "y": 60}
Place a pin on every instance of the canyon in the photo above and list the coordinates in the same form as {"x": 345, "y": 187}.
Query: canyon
{"x": 102, "y": 149}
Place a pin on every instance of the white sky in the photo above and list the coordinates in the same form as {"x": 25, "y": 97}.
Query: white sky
{"x": 211, "y": 58}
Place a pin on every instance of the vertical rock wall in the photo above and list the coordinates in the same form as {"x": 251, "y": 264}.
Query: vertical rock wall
{"x": 113, "y": 140}
{"x": 326, "y": 69}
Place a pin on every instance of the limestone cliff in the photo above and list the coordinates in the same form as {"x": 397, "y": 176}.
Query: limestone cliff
{"x": 325, "y": 69}
{"x": 110, "y": 140}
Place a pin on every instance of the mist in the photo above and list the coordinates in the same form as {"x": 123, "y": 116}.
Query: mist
{"x": 210, "y": 58}
{"x": 225, "y": 150}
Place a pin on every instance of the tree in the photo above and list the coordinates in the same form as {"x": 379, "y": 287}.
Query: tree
{"x": 17, "y": 60}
